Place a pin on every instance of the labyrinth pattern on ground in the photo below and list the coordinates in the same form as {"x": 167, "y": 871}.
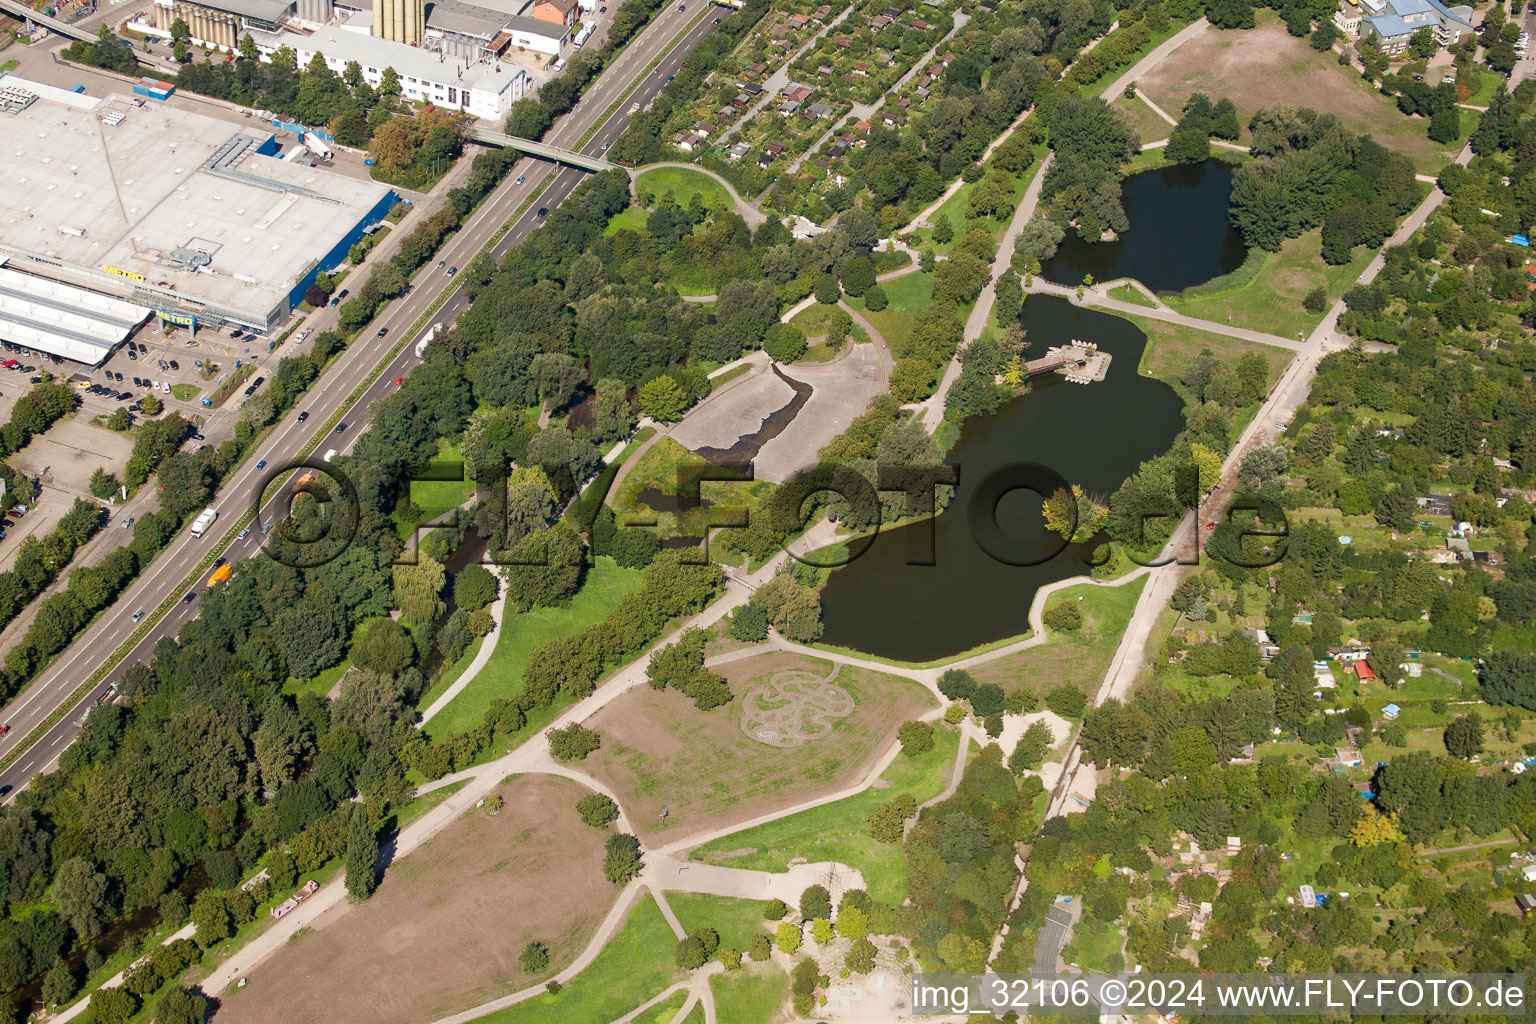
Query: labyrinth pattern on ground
{"x": 792, "y": 707}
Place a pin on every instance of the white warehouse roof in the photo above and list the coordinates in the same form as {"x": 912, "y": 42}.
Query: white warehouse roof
{"x": 63, "y": 320}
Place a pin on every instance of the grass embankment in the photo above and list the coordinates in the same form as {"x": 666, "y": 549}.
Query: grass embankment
{"x": 906, "y": 295}
{"x": 835, "y": 831}
{"x": 634, "y": 966}
{"x": 1170, "y": 347}
{"x": 1269, "y": 300}
{"x": 684, "y": 184}
{"x": 1078, "y": 658}
{"x": 605, "y": 585}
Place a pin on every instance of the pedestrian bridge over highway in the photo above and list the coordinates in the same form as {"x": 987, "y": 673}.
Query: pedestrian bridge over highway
{"x": 24, "y": 13}
{"x": 491, "y": 137}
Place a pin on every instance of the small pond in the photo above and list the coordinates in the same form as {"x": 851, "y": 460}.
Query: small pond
{"x": 1179, "y": 233}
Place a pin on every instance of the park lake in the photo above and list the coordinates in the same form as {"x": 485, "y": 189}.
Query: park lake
{"x": 1095, "y": 435}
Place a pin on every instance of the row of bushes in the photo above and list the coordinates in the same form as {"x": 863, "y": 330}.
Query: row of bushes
{"x": 39, "y": 561}
{"x": 1115, "y": 51}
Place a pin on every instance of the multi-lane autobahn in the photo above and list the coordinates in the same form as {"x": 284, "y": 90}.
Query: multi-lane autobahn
{"x": 329, "y": 395}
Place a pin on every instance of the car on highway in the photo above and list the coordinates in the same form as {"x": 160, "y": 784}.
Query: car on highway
{"x": 452, "y": 271}
{"x": 543, "y": 211}
{"x": 520, "y": 179}
{"x": 138, "y": 615}
{"x": 5, "y": 729}
{"x": 262, "y": 464}
{"x": 219, "y": 562}
{"x": 303, "y": 415}
{"x": 399, "y": 381}
{"x": 191, "y": 596}
{"x": 244, "y": 533}
{"x": 340, "y": 427}
{"x": 382, "y": 331}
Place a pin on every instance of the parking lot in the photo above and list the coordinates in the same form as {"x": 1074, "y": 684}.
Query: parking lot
{"x": 171, "y": 366}
{"x": 62, "y": 461}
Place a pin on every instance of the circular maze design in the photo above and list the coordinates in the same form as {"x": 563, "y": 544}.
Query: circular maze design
{"x": 793, "y": 707}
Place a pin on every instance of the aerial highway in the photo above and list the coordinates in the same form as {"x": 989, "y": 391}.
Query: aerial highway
{"x": 166, "y": 575}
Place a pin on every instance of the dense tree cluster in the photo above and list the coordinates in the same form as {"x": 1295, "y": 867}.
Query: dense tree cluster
{"x": 1311, "y": 171}
{"x": 1082, "y": 187}
{"x": 37, "y": 562}
{"x": 960, "y": 867}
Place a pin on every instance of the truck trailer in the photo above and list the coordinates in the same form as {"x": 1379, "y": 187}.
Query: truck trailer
{"x": 204, "y": 520}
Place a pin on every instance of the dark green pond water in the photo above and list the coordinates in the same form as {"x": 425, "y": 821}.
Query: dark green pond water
{"x": 1095, "y": 435}
{"x": 1179, "y": 234}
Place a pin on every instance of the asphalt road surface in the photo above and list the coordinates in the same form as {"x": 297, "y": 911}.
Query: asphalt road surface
{"x": 326, "y": 396}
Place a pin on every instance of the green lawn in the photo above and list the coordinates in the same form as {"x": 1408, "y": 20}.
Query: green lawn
{"x": 835, "y": 831}
{"x": 1092, "y": 945}
{"x": 634, "y": 966}
{"x": 1130, "y": 293}
{"x": 605, "y": 585}
{"x": 185, "y": 392}
{"x": 435, "y": 497}
{"x": 752, "y": 995}
{"x": 1078, "y": 658}
{"x": 716, "y": 383}
{"x": 1170, "y": 347}
{"x": 906, "y": 295}
{"x": 1142, "y": 119}
{"x": 660, "y": 467}
{"x": 631, "y": 217}
{"x": 736, "y": 920}
{"x": 956, "y": 208}
{"x": 696, "y": 1016}
{"x": 664, "y": 1011}
{"x": 1488, "y": 84}
{"x": 684, "y": 185}
{"x": 322, "y": 682}
{"x": 812, "y": 321}
{"x": 1271, "y": 301}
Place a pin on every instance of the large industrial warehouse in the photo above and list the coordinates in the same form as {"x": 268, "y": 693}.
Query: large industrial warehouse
{"x": 190, "y": 216}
